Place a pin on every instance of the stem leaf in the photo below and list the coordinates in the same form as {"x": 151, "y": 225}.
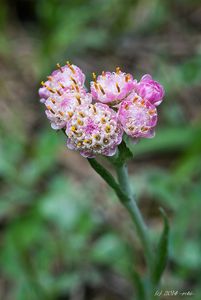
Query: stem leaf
{"x": 139, "y": 285}
{"x": 162, "y": 251}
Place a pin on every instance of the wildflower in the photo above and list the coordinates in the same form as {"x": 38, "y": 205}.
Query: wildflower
{"x": 94, "y": 129}
{"x": 68, "y": 77}
{"x": 112, "y": 88}
{"x": 60, "y": 108}
{"x": 137, "y": 116}
{"x": 150, "y": 89}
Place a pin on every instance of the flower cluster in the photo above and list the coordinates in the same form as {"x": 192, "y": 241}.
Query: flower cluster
{"x": 95, "y": 122}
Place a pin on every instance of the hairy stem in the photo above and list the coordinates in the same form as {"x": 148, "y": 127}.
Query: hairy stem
{"x": 134, "y": 211}
{"x": 123, "y": 191}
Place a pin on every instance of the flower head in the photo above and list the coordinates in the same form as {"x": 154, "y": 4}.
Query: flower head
{"x": 68, "y": 77}
{"x": 112, "y": 88}
{"x": 94, "y": 129}
{"x": 150, "y": 89}
{"x": 60, "y": 108}
{"x": 137, "y": 116}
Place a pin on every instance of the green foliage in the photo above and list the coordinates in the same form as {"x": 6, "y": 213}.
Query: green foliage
{"x": 161, "y": 256}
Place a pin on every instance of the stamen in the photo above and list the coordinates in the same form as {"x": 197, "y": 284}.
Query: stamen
{"x": 102, "y": 90}
{"x": 52, "y": 100}
{"x": 50, "y": 89}
{"x": 118, "y": 70}
{"x": 152, "y": 111}
{"x": 118, "y": 88}
{"x": 89, "y": 141}
{"x": 144, "y": 129}
{"x": 107, "y": 128}
{"x": 96, "y": 86}
{"x": 70, "y": 67}
{"x": 105, "y": 141}
{"x": 75, "y": 82}
{"x": 61, "y": 85}
{"x": 97, "y": 147}
{"x": 103, "y": 73}
{"x": 78, "y": 99}
{"x": 49, "y": 78}
{"x": 79, "y": 144}
{"x": 70, "y": 114}
{"x": 135, "y": 99}
{"x": 103, "y": 121}
{"x": 81, "y": 114}
{"x": 77, "y": 88}
{"x": 73, "y": 128}
{"x": 60, "y": 68}
{"x": 80, "y": 122}
{"x": 47, "y": 87}
{"x": 50, "y": 109}
{"x": 94, "y": 109}
{"x": 94, "y": 76}
{"x": 127, "y": 77}
{"x": 61, "y": 113}
{"x": 97, "y": 137}
{"x": 58, "y": 92}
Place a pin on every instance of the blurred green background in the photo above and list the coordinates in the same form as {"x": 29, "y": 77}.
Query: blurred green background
{"x": 63, "y": 234}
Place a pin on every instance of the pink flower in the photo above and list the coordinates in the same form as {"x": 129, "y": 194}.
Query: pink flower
{"x": 150, "y": 89}
{"x": 112, "y": 88}
{"x": 60, "y": 108}
{"x": 65, "y": 78}
{"x": 94, "y": 129}
{"x": 137, "y": 116}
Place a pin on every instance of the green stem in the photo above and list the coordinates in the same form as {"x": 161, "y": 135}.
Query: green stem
{"x": 108, "y": 178}
{"x": 134, "y": 211}
{"x": 125, "y": 195}
{"x": 122, "y": 174}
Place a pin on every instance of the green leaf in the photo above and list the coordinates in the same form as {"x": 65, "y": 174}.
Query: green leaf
{"x": 126, "y": 153}
{"x": 162, "y": 251}
{"x": 139, "y": 285}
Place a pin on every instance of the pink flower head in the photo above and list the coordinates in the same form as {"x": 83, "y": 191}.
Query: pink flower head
{"x": 150, "y": 89}
{"x": 60, "y": 108}
{"x": 112, "y": 88}
{"x": 65, "y": 78}
{"x": 137, "y": 116}
{"x": 94, "y": 129}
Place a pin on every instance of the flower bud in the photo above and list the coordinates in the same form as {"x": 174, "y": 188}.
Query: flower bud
{"x": 68, "y": 77}
{"x": 137, "y": 116}
{"x": 112, "y": 88}
{"x": 150, "y": 90}
{"x": 94, "y": 129}
{"x": 60, "y": 108}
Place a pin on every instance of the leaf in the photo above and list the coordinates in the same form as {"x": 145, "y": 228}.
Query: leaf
{"x": 162, "y": 251}
{"x": 139, "y": 285}
{"x": 125, "y": 151}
